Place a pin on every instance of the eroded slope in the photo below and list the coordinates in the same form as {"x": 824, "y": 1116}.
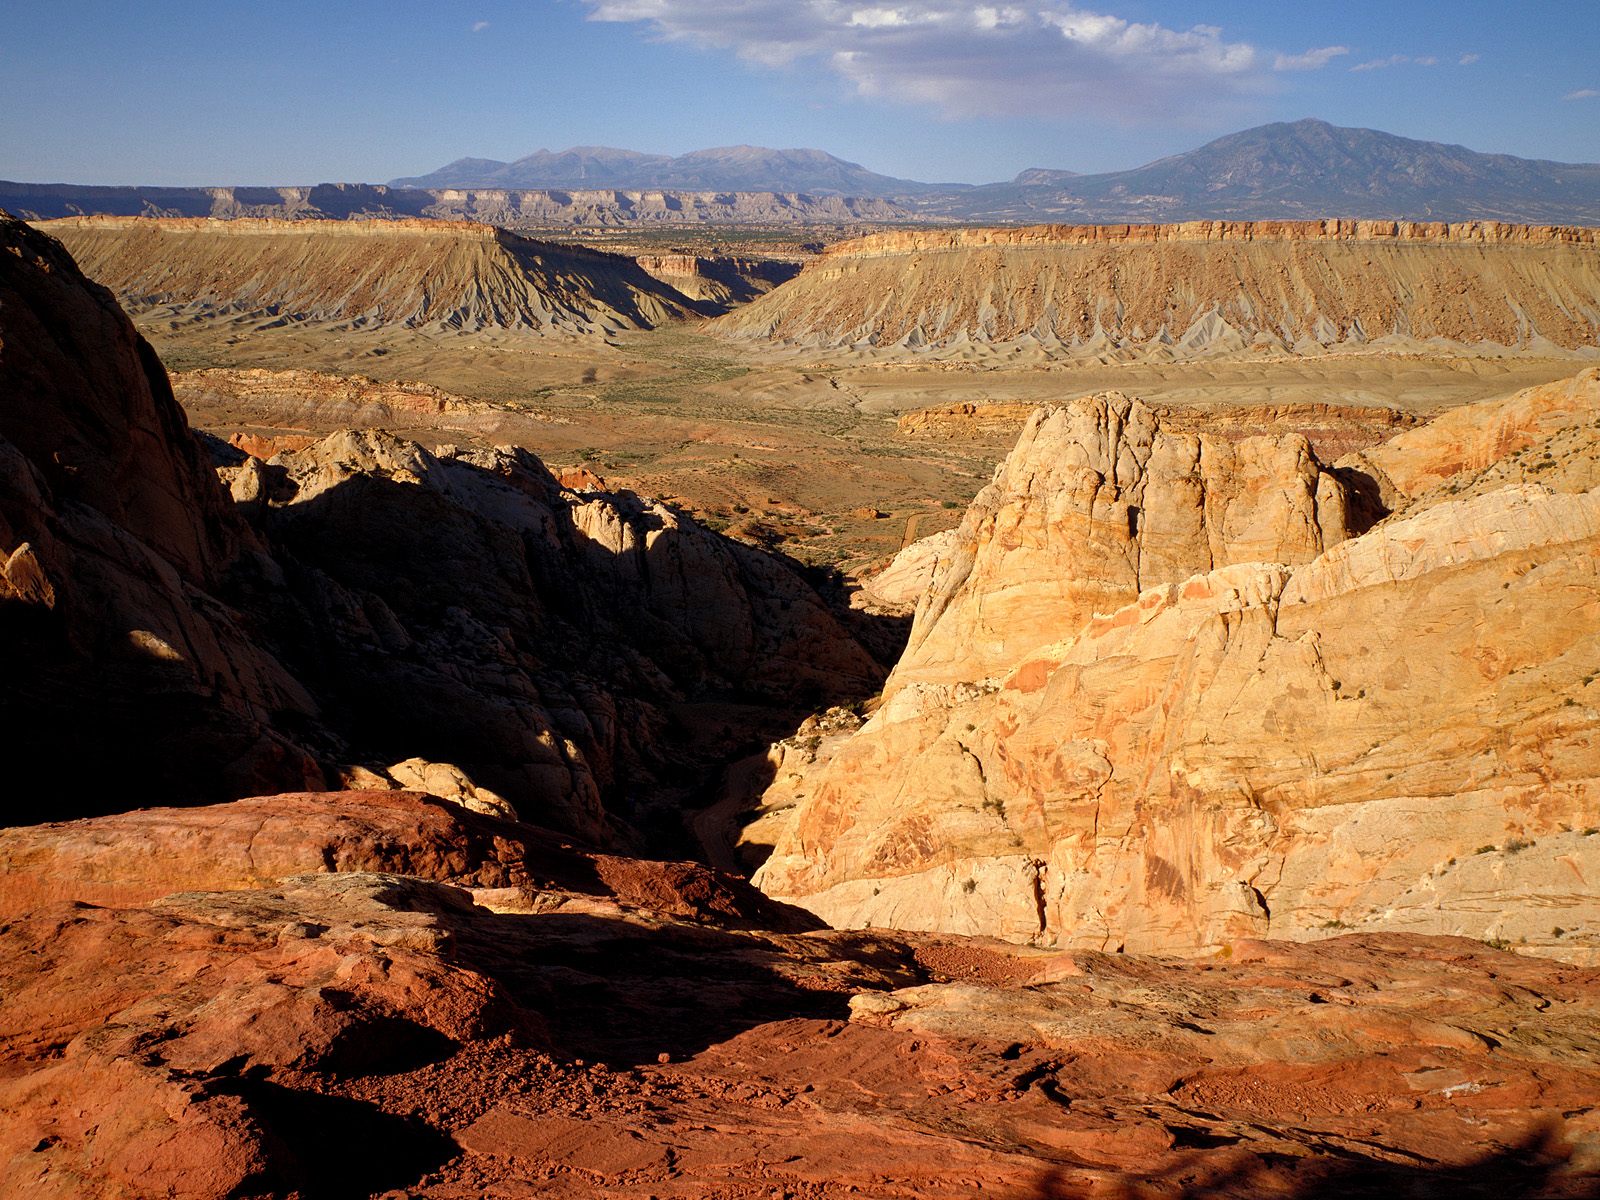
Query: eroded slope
{"x": 1204, "y": 287}
{"x": 358, "y": 273}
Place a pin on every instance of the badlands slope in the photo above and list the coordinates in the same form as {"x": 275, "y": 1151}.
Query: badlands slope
{"x": 1195, "y": 289}
{"x": 360, "y": 273}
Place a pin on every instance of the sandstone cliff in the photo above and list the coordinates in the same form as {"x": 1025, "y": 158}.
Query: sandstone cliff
{"x": 123, "y": 668}
{"x": 722, "y": 282}
{"x": 1156, "y": 702}
{"x": 1204, "y": 287}
{"x": 358, "y": 273}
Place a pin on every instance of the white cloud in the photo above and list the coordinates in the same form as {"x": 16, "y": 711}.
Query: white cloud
{"x": 479, "y": 26}
{"x": 1379, "y": 64}
{"x": 1311, "y": 60}
{"x": 1466, "y": 60}
{"x": 1038, "y": 57}
{"x": 1400, "y": 60}
{"x": 1582, "y": 94}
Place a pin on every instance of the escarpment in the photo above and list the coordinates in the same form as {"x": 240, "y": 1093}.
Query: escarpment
{"x": 1163, "y": 692}
{"x": 416, "y": 273}
{"x": 1195, "y": 289}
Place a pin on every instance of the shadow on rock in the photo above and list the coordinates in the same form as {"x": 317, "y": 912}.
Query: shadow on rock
{"x": 627, "y": 992}
{"x": 330, "y": 1148}
{"x": 1534, "y": 1168}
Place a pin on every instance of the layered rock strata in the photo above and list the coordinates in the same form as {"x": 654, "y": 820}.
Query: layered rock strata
{"x": 417, "y": 273}
{"x": 1196, "y": 289}
{"x": 1164, "y": 692}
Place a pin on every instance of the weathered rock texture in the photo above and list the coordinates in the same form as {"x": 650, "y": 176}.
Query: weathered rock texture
{"x": 465, "y": 607}
{"x": 511, "y": 1016}
{"x": 1204, "y": 287}
{"x": 357, "y": 601}
{"x": 1165, "y": 692}
{"x": 359, "y": 273}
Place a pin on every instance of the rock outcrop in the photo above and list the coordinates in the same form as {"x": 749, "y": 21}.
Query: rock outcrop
{"x": 1167, "y": 692}
{"x": 357, "y": 603}
{"x": 1195, "y": 289}
{"x": 552, "y": 644}
{"x": 721, "y": 281}
{"x": 125, "y": 673}
{"x": 417, "y": 273}
{"x": 438, "y": 1002}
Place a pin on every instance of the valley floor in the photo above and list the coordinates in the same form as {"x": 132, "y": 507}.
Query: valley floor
{"x": 800, "y": 449}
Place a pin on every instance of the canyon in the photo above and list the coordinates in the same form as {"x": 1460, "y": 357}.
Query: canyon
{"x": 484, "y": 725}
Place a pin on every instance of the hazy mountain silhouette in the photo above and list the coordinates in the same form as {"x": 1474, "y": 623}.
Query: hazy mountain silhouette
{"x": 725, "y": 169}
{"x": 1299, "y": 169}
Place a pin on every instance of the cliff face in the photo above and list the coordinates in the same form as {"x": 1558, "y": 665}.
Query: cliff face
{"x": 123, "y": 668}
{"x": 723, "y": 282}
{"x": 1238, "y": 711}
{"x": 1203, "y": 287}
{"x": 356, "y": 273}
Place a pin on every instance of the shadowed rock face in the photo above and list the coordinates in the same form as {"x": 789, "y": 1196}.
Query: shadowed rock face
{"x": 123, "y": 669}
{"x": 569, "y": 650}
{"x": 515, "y": 1014}
{"x": 1163, "y": 692}
{"x": 358, "y": 601}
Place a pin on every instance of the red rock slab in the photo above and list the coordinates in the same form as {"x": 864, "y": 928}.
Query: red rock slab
{"x": 131, "y": 858}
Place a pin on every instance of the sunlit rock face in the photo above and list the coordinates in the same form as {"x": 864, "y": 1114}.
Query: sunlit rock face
{"x": 1189, "y": 290}
{"x": 1164, "y": 693}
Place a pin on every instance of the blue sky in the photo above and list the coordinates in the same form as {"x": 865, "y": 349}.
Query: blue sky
{"x": 161, "y": 92}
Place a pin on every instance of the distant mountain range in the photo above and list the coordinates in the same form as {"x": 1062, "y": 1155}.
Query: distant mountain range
{"x": 1287, "y": 171}
{"x": 726, "y": 169}
{"x": 1298, "y": 170}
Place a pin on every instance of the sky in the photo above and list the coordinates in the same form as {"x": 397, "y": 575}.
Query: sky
{"x": 237, "y": 92}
